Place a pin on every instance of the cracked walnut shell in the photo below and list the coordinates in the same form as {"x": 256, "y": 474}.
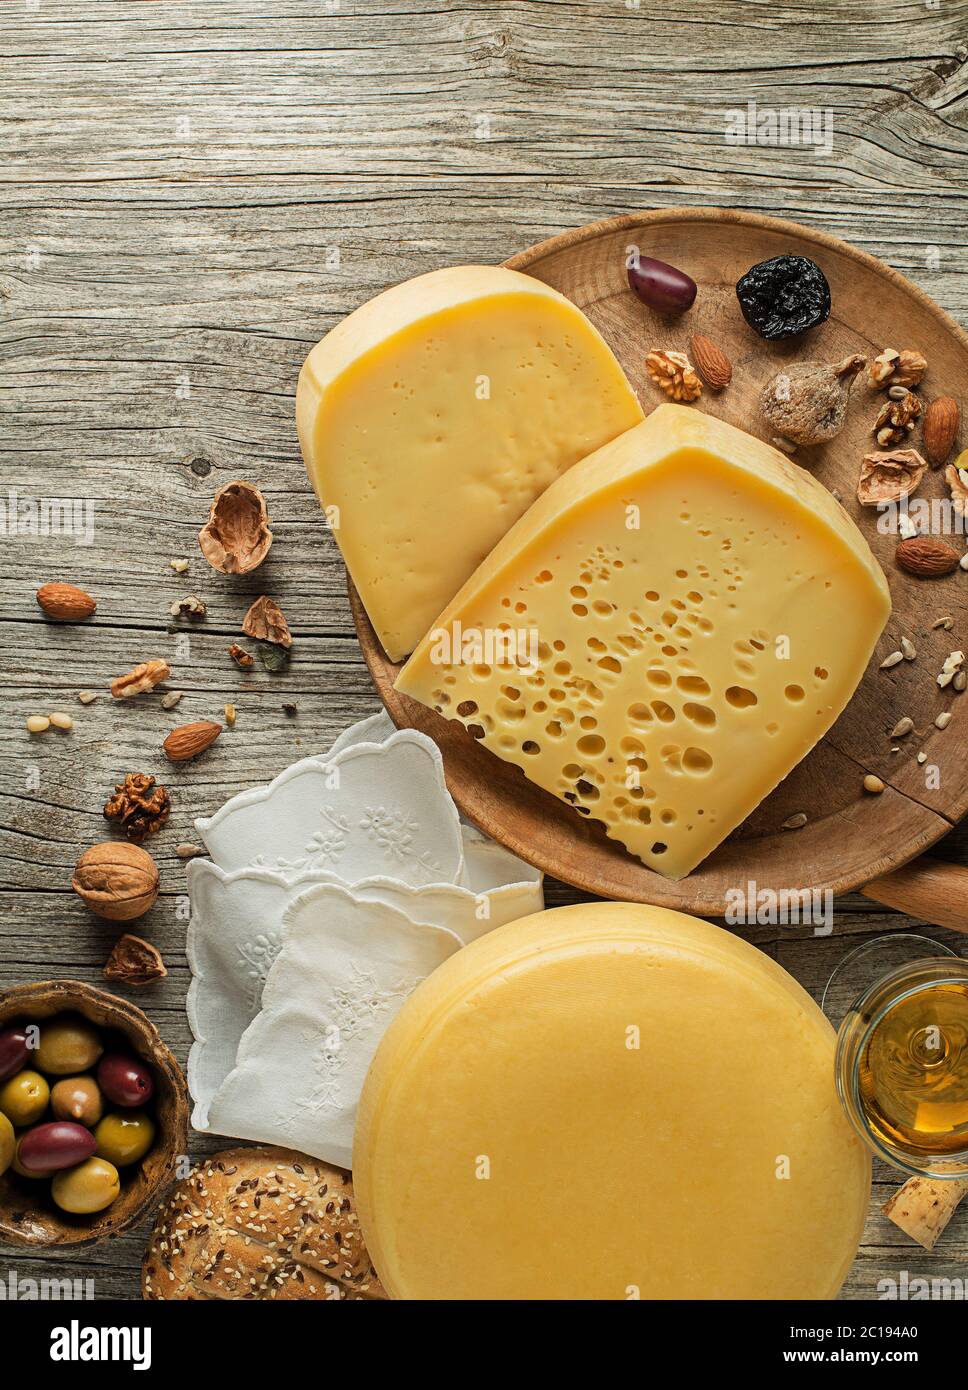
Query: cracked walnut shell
{"x": 236, "y": 538}
{"x": 675, "y": 374}
{"x": 265, "y": 622}
{"x": 890, "y": 476}
{"x": 139, "y": 804}
{"x": 134, "y": 961}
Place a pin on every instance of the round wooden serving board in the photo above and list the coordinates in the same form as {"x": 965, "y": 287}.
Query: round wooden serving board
{"x": 851, "y": 837}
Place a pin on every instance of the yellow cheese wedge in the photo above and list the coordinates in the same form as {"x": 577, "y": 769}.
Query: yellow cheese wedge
{"x": 608, "y": 1102}
{"x": 434, "y": 415}
{"x": 664, "y": 635}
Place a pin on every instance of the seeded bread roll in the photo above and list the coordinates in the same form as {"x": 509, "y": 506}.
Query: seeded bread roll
{"x": 261, "y": 1224}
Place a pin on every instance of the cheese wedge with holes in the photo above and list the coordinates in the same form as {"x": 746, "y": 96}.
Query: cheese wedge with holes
{"x": 666, "y": 632}
{"x": 608, "y": 1101}
{"x": 434, "y": 415}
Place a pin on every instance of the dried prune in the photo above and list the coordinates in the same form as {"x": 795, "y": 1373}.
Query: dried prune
{"x": 784, "y": 296}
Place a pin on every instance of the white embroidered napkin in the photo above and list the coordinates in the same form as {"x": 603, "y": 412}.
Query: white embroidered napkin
{"x": 373, "y": 820}
{"x": 369, "y": 808}
{"x": 235, "y": 935}
{"x": 326, "y": 1004}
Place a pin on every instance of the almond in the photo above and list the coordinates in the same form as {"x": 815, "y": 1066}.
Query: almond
{"x": 940, "y": 429}
{"x": 926, "y": 557}
{"x": 711, "y": 362}
{"x": 65, "y": 602}
{"x": 188, "y": 740}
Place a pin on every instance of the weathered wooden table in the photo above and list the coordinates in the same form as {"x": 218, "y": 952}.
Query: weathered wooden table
{"x": 193, "y": 193}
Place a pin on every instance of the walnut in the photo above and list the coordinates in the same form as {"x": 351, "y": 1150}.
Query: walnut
{"x": 116, "y": 880}
{"x": 265, "y": 622}
{"x": 896, "y": 420}
{"x": 807, "y": 401}
{"x": 142, "y": 678}
{"x": 893, "y": 368}
{"x": 191, "y": 606}
{"x": 134, "y": 961}
{"x": 139, "y": 805}
{"x": 957, "y": 480}
{"x": 889, "y": 477}
{"x": 236, "y": 538}
{"x": 675, "y": 374}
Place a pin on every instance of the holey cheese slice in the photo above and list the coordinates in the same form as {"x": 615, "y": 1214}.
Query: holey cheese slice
{"x": 664, "y": 635}
{"x": 434, "y": 415}
{"x": 608, "y": 1102}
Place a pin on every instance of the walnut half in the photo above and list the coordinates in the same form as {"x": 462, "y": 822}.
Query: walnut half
{"x": 675, "y": 374}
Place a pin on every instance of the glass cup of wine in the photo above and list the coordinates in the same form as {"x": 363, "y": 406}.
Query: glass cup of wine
{"x": 900, "y": 1007}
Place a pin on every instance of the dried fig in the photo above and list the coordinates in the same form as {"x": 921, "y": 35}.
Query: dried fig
{"x": 236, "y": 537}
{"x": 807, "y": 402}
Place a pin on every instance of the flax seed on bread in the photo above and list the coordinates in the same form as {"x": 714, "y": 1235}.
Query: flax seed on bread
{"x": 261, "y": 1224}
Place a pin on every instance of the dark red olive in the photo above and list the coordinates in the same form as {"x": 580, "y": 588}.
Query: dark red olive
{"x": 125, "y": 1080}
{"x": 60, "y": 1144}
{"x": 13, "y": 1051}
{"x": 661, "y": 286}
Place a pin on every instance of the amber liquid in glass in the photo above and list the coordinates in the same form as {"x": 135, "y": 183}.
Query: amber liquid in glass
{"x": 913, "y": 1072}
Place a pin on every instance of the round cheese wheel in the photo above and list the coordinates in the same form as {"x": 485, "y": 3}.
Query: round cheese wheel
{"x": 608, "y": 1102}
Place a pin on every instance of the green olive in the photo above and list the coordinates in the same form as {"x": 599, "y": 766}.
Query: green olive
{"x": 8, "y": 1143}
{"x": 91, "y": 1186}
{"x": 23, "y": 1099}
{"x": 123, "y": 1139}
{"x": 77, "y": 1098}
{"x": 68, "y": 1044}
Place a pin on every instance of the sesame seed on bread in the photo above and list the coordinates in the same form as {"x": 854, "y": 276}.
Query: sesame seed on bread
{"x": 262, "y": 1224}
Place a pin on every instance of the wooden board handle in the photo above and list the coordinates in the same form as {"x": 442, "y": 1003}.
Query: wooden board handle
{"x": 926, "y": 888}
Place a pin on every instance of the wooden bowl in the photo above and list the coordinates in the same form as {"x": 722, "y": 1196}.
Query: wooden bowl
{"x": 850, "y": 838}
{"x": 28, "y": 1215}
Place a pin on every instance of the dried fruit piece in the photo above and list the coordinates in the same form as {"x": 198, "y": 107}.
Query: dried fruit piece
{"x": 134, "y": 961}
{"x": 240, "y": 656}
{"x": 896, "y": 419}
{"x": 940, "y": 429}
{"x": 65, "y": 603}
{"x": 893, "y": 368}
{"x": 188, "y": 740}
{"x": 712, "y": 364}
{"x": 265, "y": 622}
{"x": 236, "y": 538}
{"x": 926, "y": 557}
{"x": 141, "y": 679}
{"x": 784, "y": 296}
{"x": 889, "y": 476}
{"x": 230, "y": 716}
{"x": 807, "y": 402}
{"x": 661, "y": 286}
{"x": 674, "y": 373}
{"x": 139, "y": 805}
{"x": 116, "y": 880}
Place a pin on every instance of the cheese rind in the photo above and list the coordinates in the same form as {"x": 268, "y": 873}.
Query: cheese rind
{"x": 433, "y": 416}
{"x": 702, "y": 610}
{"x": 604, "y": 1099}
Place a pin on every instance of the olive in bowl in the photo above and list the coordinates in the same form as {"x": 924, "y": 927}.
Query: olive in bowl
{"x": 59, "y": 1181}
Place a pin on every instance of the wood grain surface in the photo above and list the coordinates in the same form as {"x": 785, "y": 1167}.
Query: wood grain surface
{"x": 192, "y": 194}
